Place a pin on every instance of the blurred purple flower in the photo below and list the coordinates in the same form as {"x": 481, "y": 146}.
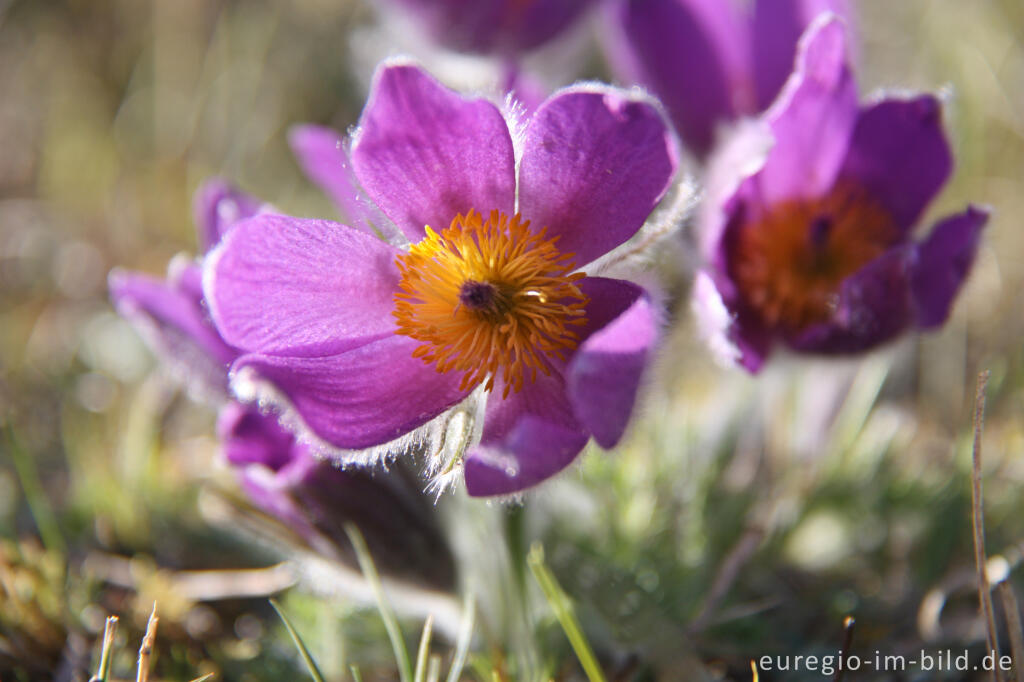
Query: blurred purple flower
{"x": 505, "y": 28}
{"x": 707, "y": 60}
{"x": 315, "y": 499}
{"x": 367, "y": 341}
{"x": 280, "y": 475}
{"x": 170, "y": 313}
{"x": 814, "y": 247}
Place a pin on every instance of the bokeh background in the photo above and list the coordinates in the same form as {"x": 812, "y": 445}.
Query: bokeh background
{"x": 742, "y": 517}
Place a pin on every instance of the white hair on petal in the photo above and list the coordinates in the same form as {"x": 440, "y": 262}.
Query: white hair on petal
{"x": 713, "y": 320}
{"x": 444, "y": 438}
{"x": 671, "y": 214}
{"x": 517, "y": 120}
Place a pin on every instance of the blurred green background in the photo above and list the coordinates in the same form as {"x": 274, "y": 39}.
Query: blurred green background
{"x": 742, "y": 516}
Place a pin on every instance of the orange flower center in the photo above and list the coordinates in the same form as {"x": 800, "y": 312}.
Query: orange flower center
{"x": 790, "y": 264}
{"x": 489, "y": 296}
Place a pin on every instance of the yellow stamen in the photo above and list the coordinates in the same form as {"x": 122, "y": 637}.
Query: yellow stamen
{"x": 791, "y": 262}
{"x": 489, "y": 296}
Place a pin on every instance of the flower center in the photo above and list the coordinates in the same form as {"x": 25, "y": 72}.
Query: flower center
{"x": 489, "y": 296}
{"x": 790, "y": 264}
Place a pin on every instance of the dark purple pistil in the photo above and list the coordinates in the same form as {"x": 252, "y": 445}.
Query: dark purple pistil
{"x": 477, "y": 295}
{"x": 820, "y": 228}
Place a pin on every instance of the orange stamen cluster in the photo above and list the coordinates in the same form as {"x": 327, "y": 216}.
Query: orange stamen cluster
{"x": 790, "y": 263}
{"x": 489, "y": 296}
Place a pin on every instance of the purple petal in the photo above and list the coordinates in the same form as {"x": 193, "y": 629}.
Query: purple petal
{"x": 527, "y": 438}
{"x": 365, "y": 396}
{"x": 694, "y": 55}
{"x": 604, "y": 374}
{"x": 321, "y": 153}
{"x": 900, "y": 155}
{"x": 874, "y": 306}
{"x": 175, "y": 323}
{"x": 813, "y": 119}
{"x": 777, "y": 27}
{"x": 940, "y": 264}
{"x": 594, "y": 166}
{"x": 217, "y": 206}
{"x": 300, "y": 287}
{"x": 250, "y": 437}
{"x": 503, "y": 27}
{"x": 425, "y": 154}
{"x": 743, "y": 338}
{"x": 318, "y": 500}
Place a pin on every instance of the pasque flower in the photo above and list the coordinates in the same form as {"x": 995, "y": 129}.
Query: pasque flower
{"x": 708, "y": 60}
{"x": 367, "y": 340}
{"x": 280, "y": 475}
{"x": 283, "y": 477}
{"x": 814, "y": 249}
{"x": 505, "y": 28}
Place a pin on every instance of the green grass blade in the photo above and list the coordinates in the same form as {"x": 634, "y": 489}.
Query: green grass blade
{"x": 307, "y": 658}
{"x": 464, "y": 640}
{"x": 38, "y": 503}
{"x": 386, "y": 613}
{"x": 356, "y": 675}
{"x": 434, "y": 669}
{"x": 562, "y": 607}
{"x": 424, "y": 652}
{"x": 107, "y": 651}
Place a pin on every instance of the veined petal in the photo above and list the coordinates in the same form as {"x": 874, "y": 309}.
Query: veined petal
{"x": 425, "y": 154}
{"x": 813, "y": 119}
{"x": 365, "y": 396}
{"x": 604, "y": 374}
{"x": 941, "y": 263}
{"x": 694, "y": 55}
{"x": 217, "y": 206}
{"x": 777, "y": 27}
{"x": 527, "y": 438}
{"x": 899, "y": 154}
{"x": 291, "y": 286}
{"x": 595, "y": 163}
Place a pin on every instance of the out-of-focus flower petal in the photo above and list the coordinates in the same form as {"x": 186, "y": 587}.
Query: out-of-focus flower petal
{"x": 694, "y": 54}
{"x": 300, "y": 287}
{"x": 595, "y": 164}
{"x": 604, "y": 374}
{"x": 528, "y": 437}
{"x": 899, "y": 154}
{"x": 425, "y": 154}
{"x": 321, "y": 153}
{"x": 217, "y": 206}
{"x": 777, "y": 27}
{"x": 249, "y": 437}
{"x": 940, "y": 264}
{"x": 813, "y": 119}
{"x": 874, "y": 306}
{"x": 503, "y": 27}
{"x": 177, "y": 326}
{"x": 366, "y": 396}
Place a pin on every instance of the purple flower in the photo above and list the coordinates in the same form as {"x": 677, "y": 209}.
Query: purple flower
{"x": 708, "y": 61}
{"x": 814, "y": 248}
{"x": 285, "y": 479}
{"x": 505, "y": 28}
{"x": 368, "y": 341}
{"x": 279, "y": 474}
{"x": 171, "y": 314}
